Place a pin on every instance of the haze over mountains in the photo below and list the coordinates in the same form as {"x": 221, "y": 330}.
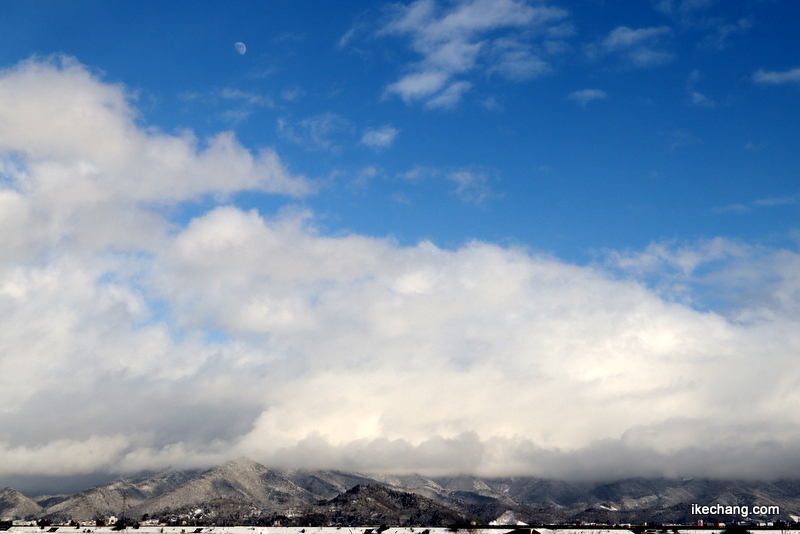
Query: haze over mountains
{"x": 246, "y": 492}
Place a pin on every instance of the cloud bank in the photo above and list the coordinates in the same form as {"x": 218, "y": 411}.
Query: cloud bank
{"x": 130, "y": 341}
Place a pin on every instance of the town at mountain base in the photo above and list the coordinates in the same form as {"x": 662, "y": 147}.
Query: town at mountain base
{"x": 244, "y": 492}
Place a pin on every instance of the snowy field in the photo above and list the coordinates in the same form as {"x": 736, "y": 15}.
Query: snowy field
{"x": 293, "y": 530}
{"x": 350, "y": 530}
{"x": 347, "y": 530}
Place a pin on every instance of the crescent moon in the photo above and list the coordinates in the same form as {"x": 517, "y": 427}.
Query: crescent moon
{"x": 240, "y": 47}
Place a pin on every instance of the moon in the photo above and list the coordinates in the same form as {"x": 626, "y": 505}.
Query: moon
{"x": 240, "y": 47}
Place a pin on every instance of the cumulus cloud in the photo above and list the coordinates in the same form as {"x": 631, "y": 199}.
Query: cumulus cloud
{"x": 774, "y": 77}
{"x": 380, "y": 137}
{"x": 636, "y": 48}
{"x": 91, "y": 127}
{"x": 457, "y": 41}
{"x": 584, "y": 96}
{"x": 77, "y": 168}
{"x": 249, "y": 333}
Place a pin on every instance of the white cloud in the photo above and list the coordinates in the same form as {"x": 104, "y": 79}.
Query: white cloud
{"x": 82, "y": 165}
{"x": 585, "y": 96}
{"x": 516, "y": 60}
{"x": 248, "y": 102}
{"x": 732, "y": 208}
{"x": 368, "y": 172}
{"x": 272, "y": 333}
{"x": 363, "y": 178}
{"x": 699, "y": 99}
{"x": 684, "y": 259}
{"x": 696, "y": 97}
{"x": 472, "y": 186}
{"x": 760, "y": 203}
{"x": 723, "y": 31}
{"x": 681, "y": 138}
{"x": 754, "y": 146}
{"x": 418, "y": 85}
{"x": 402, "y": 199}
{"x": 348, "y": 35}
{"x": 380, "y": 137}
{"x": 248, "y": 97}
{"x": 693, "y": 15}
{"x": 62, "y": 456}
{"x": 684, "y": 6}
{"x": 623, "y": 38}
{"x": 450, "y": 96}
{"x": 318, "y": 132}
{"x": 638, "y": 48}
{"x": 749, "y": 284}
{"x": 292, "y": 93}
{"x": 457, "y": 41}
{"x": 491, "y": 104}
{"x": 774, "y": 77}
{"x": 664, "y": 6}
{"x": 691, "y": 5}
{"x": 776, "y": 201}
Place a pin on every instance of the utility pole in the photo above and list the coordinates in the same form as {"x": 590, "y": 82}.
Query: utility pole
{"x": 124, "y": 503}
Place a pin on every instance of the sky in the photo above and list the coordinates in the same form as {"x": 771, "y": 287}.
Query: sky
{"x": 497, "y": 237}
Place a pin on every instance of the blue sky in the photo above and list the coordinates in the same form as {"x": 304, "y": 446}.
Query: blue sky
{"x": 581, "y": 194}
{"x": 669, "y": 141}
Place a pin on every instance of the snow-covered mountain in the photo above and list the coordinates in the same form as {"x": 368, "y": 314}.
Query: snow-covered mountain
{"x": 14, "y": 505}
{"x": 246, "y": 492}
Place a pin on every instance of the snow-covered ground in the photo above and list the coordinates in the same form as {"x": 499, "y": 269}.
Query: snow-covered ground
{"x": 346, "y": 530}
{"x": 256, "y": 530}
{"x": 240, "y": 530}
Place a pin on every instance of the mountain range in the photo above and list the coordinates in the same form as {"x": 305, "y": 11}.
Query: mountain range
{"x": 246, "y": 492}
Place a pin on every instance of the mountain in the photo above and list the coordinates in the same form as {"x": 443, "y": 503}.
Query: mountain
{"x": 378, "y": 505}
{"x": 242, "y": 483}
{"x": 14, "y": 505}
{"x": 109, "y": 499}
{"x": 327, "y": 484}
{"x": 246, "y": 492}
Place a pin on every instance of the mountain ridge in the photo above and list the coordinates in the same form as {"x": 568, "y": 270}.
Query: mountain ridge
{"x": 246, "y": 492}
